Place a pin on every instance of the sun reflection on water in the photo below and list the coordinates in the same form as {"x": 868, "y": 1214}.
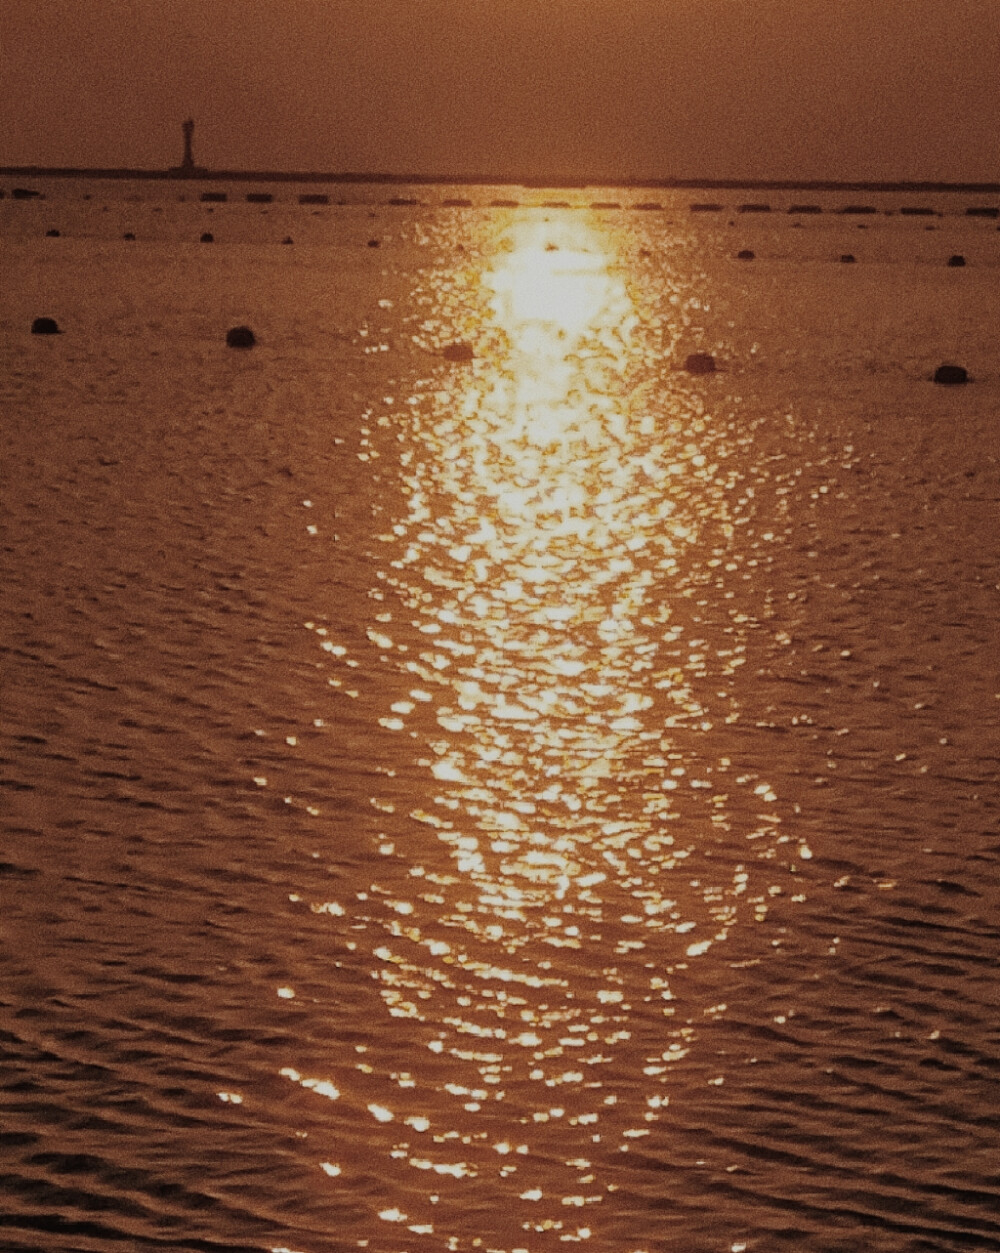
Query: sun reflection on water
{"x": 535, "y": 612}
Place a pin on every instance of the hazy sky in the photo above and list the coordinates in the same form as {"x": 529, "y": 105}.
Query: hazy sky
{"x": 869, "y": 89}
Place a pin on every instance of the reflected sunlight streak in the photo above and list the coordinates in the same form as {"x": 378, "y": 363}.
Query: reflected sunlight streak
{"x": 542, "y": 622}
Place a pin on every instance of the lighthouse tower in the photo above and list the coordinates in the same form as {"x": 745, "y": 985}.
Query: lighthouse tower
{"x": 187, "y": 167}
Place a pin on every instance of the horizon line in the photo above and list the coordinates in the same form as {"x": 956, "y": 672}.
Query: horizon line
{"x": 553, "y": 181}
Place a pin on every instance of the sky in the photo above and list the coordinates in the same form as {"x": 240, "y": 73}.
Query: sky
{"x": 838, "y": 89}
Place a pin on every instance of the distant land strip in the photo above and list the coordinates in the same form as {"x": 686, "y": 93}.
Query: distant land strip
{"x": 555, "y": 181}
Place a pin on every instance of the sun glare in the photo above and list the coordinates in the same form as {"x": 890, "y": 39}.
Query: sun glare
{"x": 543, "y": 677}
{"x": 561, "y": 308}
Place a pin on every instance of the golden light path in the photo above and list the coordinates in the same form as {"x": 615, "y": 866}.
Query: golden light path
{"x": 535, "y": 611}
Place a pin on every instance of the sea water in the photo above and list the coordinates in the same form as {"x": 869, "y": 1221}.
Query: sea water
{"x": 541, "y": 800}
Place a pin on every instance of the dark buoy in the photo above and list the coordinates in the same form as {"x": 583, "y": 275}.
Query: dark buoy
{"x": 746, "y": 254}
{"x": 45, "y": 326}
{"x": 208, "y": 238}
{"x": 374, "y": 243}
{"x": 847, "y": 258}
{"x": 52, "y": 233}
{"x": 129, "y": 235}
{"x": 288, "y": 240}
{"x": 240, "y": 337}
{"x": 458, "y": 352}
{"x": 951, "y": 374}
{"x": 700, "y": 363}
{"x": 956, "y": 260}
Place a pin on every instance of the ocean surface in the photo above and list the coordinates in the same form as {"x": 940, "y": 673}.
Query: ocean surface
{"x": 542, "y": 800}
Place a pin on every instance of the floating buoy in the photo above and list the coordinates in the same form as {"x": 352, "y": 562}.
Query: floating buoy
{"x": 956, "y": 260}
{"x": 52, "y": 233}
{"x": 288, "y": 240}
{"x": 700, "y": 363}
{"x": 45, "y": 326}
{"x": 847, "y": 258}
{"x": 240, "y": 337}
{"x": 208, "y": 238}
{"x": 129, "y": 235}
{"x": 374, "y": 243}
{"x": 746, "y": 254}
{"x": 951, "y": 374}
{"x": 458, "y": 352}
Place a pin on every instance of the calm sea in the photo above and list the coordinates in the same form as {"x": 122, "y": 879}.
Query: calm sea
{"x": 542, "y": 800}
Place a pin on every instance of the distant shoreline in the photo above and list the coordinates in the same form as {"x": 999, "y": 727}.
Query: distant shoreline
{"x": 556, "y": 182}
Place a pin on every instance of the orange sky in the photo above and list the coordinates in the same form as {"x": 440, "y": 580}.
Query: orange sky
{"x": 868, "y": 89}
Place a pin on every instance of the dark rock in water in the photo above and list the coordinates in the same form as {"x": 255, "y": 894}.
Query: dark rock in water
{"x": 240, "y": 337}
{"x": 700, "y": 363}
{"x": 129, "y": 235}
{"x": 848, "y": 258}
{"x": 45, "y": 326}
{"x": 288, "y": 240}
{"x": 956, "y": 260}
{"x": 374, "y": 243}
{"x": 208, "y": 238}
{"x": 458, "y": 352}
{"x": 52, "y": 233}
{"x": 951, "y": 374}
{"x": 746, "y": 254}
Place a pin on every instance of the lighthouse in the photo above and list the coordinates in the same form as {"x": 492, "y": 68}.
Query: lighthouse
{"x": 187, "y": 167}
